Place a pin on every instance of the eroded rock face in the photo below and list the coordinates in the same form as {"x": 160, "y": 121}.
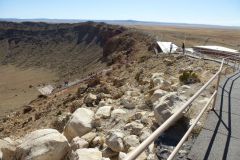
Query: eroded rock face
{"x": 86, "y": 154}
{"x": 80, "y": 123}
{"x": 7, "y": 150}
{"x": 114, "y": 140}
{"x": 43, "y": 144}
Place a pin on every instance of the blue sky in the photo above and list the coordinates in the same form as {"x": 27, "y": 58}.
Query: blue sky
{"x": 220, "y": 12}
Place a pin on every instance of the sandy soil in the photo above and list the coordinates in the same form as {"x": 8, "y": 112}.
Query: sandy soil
{"x": 14, "y": 86}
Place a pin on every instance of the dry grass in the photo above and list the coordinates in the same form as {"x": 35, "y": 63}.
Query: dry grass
{"x": 195, "y": 36}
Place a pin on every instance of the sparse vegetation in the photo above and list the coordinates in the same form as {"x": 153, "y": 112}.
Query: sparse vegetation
{"x": 189, "y": 77}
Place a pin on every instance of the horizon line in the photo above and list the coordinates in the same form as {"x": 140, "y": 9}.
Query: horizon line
{"x": 143, "y": 21}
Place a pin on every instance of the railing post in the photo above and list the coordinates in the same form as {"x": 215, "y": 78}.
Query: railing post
{"x": 215, "y": 98}
{"x": 235, "y": 65}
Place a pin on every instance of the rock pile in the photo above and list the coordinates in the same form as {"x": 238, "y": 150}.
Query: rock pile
{"x": 103, "y": 127}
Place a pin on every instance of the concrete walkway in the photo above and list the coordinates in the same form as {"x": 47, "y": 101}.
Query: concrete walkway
{"x": 220, "y": 137}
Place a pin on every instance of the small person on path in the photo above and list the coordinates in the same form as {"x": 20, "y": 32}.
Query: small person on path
{"x": 183, "y": 48}
{"x": 171, "y": 46}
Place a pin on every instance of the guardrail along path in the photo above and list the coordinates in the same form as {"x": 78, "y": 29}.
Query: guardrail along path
{"x": 220, "y": 136}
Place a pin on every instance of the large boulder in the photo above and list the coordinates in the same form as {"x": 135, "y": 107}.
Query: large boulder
{"x": 114, "y": 140}
{"x": 43, "y": 144}
{"x": 7, "y": 149}
{"x": 87, "y": 154}
{"x": 166, "y": 106}
{"x": 104, "y": 112}
{"x": 80, "y": 123}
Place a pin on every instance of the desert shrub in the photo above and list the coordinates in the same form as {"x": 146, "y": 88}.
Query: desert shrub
{"x": 93, "y": 81}
{"x": 188, "y": 77}
{"x": 81, "y": 90}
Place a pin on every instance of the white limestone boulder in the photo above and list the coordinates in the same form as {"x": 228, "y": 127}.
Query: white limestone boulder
{"x": 80, "y": 123}
{"x": 43, "y": 144}
{"x": 7, "y": 149}
{"x": 166, "y": 106}
{"x": 104, "y": 112}
{"x": 87, "y": 154}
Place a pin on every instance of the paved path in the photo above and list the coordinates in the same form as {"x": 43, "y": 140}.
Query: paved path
{"x": 220, "y": 137}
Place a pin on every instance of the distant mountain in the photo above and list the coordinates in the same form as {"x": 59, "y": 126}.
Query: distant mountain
{"x": 119, "y": 22}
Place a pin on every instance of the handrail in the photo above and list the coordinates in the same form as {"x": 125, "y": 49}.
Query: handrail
{"x": 174, "y": 152}
{"x": 135, "y": 153}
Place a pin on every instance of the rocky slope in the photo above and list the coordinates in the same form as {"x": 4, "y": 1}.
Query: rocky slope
{"x": 108, "y": 115}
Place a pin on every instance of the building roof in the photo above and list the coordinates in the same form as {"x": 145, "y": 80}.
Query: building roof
{"x": 165, "y": 46}
{"x": 218, "y": 48}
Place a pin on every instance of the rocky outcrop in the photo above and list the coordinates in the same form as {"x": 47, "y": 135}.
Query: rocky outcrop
{"x": 43, "y": 144}
{"x": 79, "y": 124}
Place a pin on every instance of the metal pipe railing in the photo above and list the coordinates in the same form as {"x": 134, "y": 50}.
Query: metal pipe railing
{"x": 175, "y": 151}
{"x": 135, "y": 153}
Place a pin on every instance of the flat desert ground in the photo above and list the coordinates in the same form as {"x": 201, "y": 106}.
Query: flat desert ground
{"x": 15, "y": 90}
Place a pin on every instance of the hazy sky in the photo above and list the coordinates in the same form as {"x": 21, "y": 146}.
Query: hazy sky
{"x": 221, "y": 12}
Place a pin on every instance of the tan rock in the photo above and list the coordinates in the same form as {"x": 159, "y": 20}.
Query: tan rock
{"x": 78, "y": 143}
{"x": 134, "y": 127}
{"x": 80, "y": 123}
{"x": 104, "y": 112}
{"x": 114, "y": 140}
{"x": 87, "y": 154}
{"x": 7, "y": 149}
{"x": 43, "y": 144}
